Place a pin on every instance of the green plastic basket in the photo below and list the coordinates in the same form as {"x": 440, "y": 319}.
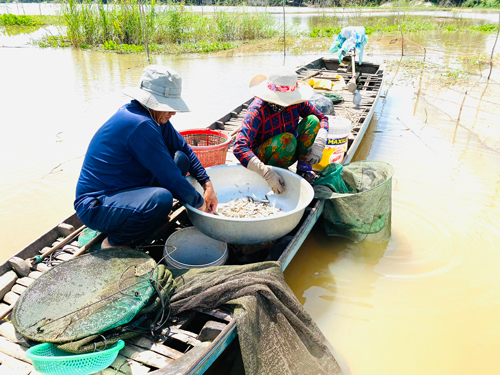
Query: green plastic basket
{"x": 49, "y": 360}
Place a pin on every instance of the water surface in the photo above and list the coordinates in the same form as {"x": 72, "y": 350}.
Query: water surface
{"x": 425, "y": 302}
{"x": 428, "y": 300}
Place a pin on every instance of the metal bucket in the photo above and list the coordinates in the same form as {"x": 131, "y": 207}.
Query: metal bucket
{"x": 189, "y": 248}
{"x": 236, "y": 181}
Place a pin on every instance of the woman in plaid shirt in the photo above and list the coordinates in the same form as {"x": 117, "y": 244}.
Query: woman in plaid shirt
{"x": 281, "y": 127}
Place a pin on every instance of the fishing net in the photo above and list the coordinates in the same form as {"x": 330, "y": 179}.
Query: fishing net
{"x": 78, "y": 300}
{"x": 148, "y": 320}
{"x": 276, "y": 335}
{"x": 335, "y": 98}
{"x": 357, "y": 200}
{"x": 79, "y": 314}
{"x": 322, "y": 104}
{"x": 86, "y": 236}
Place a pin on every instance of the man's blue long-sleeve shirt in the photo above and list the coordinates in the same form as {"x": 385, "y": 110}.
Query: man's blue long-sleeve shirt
{"x": 130, "y": 150}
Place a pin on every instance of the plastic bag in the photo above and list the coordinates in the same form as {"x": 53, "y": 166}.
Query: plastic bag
{"x": 322, "y": 104}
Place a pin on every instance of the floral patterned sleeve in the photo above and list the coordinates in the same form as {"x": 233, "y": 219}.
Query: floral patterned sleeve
{"x": 246, "y": 136}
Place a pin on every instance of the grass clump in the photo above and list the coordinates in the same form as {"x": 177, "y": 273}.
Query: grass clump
{"x": 122, "y": 25}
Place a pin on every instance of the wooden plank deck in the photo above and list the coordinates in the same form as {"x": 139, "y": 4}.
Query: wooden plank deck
{"x": 141, "y": 355}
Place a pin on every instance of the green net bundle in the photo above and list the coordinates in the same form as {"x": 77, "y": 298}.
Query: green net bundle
{"x": 357, "y": 200}
{"x": 108, "y": 291}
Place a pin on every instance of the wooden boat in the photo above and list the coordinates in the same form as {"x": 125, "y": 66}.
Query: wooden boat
{"x": 194, "y": 339}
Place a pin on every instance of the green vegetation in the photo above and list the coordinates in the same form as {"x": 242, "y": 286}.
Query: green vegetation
{"x": 327, "y": 32}
{"x": 408, "y": 24}
{"x": 330, "y": 3}
{"x": 124, "y": 26}
{"x": 442, "y": 75}
{"x": 54, "y": 42}
{"x": 128, "y": 26}
{"x": 454, "y": 73}
{"x": 481, "y": 4}
{"x": 13, "y": 20}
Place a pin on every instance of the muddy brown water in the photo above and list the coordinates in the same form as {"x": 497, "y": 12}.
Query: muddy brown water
{"x": 425, "y": 302}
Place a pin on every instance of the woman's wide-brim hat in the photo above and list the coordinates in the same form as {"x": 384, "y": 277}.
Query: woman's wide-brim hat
{"x": 281, "y": 87}
{"x": 159, "y": 89}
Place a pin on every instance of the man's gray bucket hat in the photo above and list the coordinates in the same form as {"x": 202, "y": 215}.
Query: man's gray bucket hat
{"x": 159, "y": 89}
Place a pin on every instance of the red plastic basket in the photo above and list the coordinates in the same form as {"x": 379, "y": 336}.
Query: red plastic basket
{"x": 210, "y": 146}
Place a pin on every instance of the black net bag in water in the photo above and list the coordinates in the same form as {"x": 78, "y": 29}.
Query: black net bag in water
{"x": 357, "y": 200}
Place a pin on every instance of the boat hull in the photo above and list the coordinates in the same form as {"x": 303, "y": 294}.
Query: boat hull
{"x": 182, "y": 353}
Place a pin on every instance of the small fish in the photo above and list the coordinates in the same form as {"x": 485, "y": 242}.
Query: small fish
{"x": 248, "y": 208}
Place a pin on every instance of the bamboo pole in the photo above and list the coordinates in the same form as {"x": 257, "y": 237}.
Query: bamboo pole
{"x": 144, "y": 24}
{"x": 401, "y": 31}
{"x": 284, "y": 34}
{"x": 493, "y": 49}
{"x": 459, "y": 114}
{"x": 66, "y": 240}
{"x": 420, "y": 83}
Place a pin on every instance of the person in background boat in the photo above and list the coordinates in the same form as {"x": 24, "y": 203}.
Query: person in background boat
{"x": 136, "y": 165}
{"x": 281, "y": 127}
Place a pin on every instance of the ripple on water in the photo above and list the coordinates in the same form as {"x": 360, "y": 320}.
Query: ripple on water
{"x": 421, "y": 247}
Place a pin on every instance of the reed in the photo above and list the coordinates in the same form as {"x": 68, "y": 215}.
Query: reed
{"x": 119, "y": 22}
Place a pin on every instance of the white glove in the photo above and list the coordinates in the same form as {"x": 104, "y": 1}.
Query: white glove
{"x": 274, "y": 180}
{"x": 316, "y": 150}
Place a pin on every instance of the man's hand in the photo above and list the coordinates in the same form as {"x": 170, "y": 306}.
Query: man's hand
{"x": 274, "y": 180}
{"x": 316, "y": 150}
{"x": 210, "y": 197}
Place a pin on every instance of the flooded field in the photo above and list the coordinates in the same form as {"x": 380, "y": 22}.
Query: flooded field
{"x": 425, "y": 302}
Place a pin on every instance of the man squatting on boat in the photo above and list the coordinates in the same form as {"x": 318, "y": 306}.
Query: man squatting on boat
{"x": 136, "y": 165}
{"x": 271, "y": 133}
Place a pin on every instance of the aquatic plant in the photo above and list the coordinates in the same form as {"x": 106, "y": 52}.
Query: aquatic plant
{"x": 54, "y": 42}
{"x": 122, "y": 22}
{"x": 486, "y": 27}
{"x": 203, "y": 46}
{"x": 385, "y": 25}
{"x": 13, "y": 20}
{"x": 327, "y": 32}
